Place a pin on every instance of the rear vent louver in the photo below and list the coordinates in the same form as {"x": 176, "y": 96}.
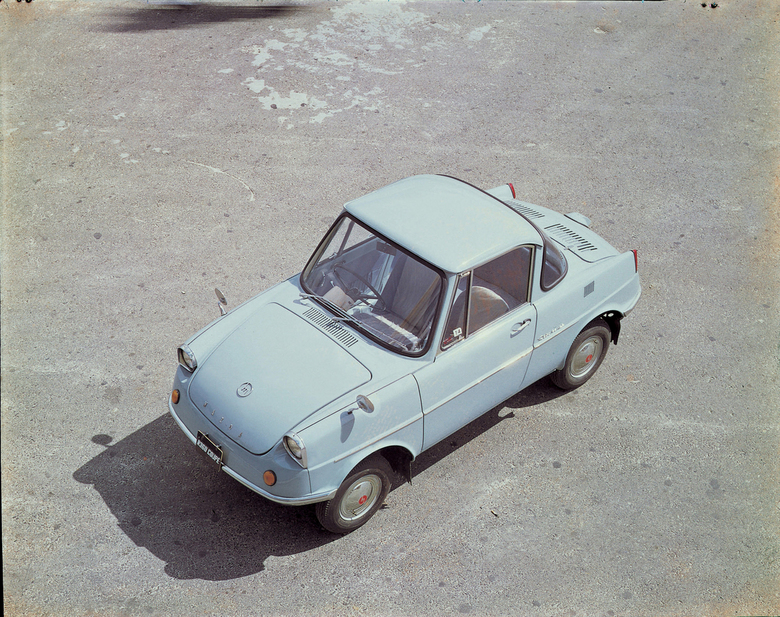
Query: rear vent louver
{"x": 527, "y": 212}
{"x": 569, "y": 238}
{"x": 333, "y": 328}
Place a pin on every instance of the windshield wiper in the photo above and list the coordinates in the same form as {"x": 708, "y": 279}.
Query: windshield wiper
{"x": 341, "y": 314}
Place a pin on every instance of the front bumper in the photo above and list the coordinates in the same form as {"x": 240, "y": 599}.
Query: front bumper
{"x": 293, "y": 487}
{"x": 289, "y": 501}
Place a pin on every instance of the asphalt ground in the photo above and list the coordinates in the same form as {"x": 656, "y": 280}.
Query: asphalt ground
{"x": 152, "y": 152}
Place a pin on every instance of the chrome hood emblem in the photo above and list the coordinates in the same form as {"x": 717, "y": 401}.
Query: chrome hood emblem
{"x": 244, "y": 390}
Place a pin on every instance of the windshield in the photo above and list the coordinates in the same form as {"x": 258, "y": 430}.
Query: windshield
{"x": 375, "y": 286}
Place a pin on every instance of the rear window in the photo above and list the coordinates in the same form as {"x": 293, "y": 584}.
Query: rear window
{"x": 554, "y": 265}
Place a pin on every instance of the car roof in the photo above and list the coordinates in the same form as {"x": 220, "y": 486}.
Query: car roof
{"x": 449, "y": 223}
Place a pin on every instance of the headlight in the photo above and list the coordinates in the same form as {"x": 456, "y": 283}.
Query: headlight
{"x": 187, "y": 358}
{"x": 295, "y": 448}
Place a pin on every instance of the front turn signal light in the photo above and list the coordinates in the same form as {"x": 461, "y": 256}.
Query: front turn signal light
{"x": 175, "y": 397}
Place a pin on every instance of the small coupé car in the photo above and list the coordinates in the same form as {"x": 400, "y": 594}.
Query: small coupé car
{"x": 427, "y": 303}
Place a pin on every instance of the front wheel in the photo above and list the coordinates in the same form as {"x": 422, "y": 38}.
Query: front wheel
{"x": 358, "y": 498}
{"x": 585, "y": 356}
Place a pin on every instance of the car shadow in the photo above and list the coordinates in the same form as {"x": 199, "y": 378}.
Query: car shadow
{"x": 172, "y": 500}
{"x": 169, "y": 498}
{"x": 175, "y": 15}
{"x": 540, "y": 392}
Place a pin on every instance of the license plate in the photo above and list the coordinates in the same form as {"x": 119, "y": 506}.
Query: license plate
{"x": 212, "y": 450}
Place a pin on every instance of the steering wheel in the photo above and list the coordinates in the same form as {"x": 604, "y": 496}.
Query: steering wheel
{"x": 377, "y": 296}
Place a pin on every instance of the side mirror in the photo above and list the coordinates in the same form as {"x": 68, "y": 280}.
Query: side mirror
{"x": 221, "y": 301}
{"x": 364, "y": 404}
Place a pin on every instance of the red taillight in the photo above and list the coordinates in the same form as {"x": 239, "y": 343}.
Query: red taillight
{"x": 512, "y": 188}
{"x": 636, "y": 260}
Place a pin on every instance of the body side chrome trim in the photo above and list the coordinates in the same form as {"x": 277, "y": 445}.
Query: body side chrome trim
{"x": 550, "y": 336}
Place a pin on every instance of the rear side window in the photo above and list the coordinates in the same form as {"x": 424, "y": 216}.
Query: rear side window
{"x": 554, "y": 265}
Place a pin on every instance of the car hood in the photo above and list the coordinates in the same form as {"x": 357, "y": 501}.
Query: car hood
{"x": 294, "y": 369}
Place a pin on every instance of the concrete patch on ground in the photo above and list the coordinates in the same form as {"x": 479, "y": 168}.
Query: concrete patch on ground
{"x": 336, "y": 58}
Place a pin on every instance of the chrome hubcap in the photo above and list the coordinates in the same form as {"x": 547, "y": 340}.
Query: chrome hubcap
{"x": 586, "y": 356}
{"x": 360, "y": 497}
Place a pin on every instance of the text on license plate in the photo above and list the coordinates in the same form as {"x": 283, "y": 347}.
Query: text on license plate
{"x": 213, "y": 451}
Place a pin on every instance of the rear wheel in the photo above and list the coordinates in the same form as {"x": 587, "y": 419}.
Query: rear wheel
{"x": 359, "y": 496}
{"x": 585, "y": 356}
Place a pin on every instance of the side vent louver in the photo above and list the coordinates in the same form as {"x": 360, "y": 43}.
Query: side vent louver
{"x": 333, "y": 328}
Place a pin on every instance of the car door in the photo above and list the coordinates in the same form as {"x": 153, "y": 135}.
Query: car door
{"x": 486, "y": 346}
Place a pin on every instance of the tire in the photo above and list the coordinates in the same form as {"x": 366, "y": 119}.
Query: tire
{"x": 358, "y": 498}
{"x": 585, "y": 356}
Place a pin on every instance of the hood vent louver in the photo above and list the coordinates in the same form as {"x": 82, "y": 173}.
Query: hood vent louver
{"x": 331, "y": 327}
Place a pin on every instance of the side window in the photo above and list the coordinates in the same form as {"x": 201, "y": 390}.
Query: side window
{"x": 455, "y": 329}
{"x": 498, "y": 287}
{"x": 491, "y": 291}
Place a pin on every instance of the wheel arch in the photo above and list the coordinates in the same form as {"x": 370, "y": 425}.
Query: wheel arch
{"x": 400, "y": 459}
{"x": 590, "y": 344}
{"x": 612, "y": 319}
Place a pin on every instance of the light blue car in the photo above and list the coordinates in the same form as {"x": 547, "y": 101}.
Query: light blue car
{"x": 427, "y": 303}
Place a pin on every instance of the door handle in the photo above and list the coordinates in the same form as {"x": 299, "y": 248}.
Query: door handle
{"x": 519, "y": 327}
